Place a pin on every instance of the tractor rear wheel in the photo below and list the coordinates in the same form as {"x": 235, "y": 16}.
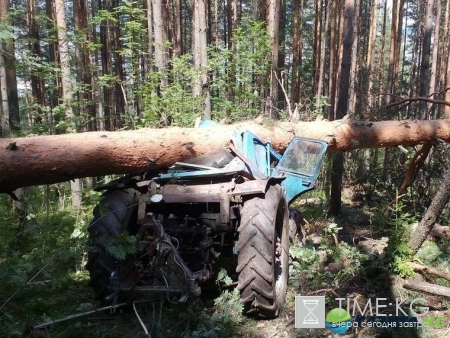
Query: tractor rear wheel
{"x": 263, "y": 259}
{"x": 116, "y": 213}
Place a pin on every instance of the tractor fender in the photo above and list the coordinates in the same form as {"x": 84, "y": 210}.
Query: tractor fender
{"x": 254, "y": 187}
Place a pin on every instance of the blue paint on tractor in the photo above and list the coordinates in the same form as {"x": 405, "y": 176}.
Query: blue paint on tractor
{"x": 298, "y": 168}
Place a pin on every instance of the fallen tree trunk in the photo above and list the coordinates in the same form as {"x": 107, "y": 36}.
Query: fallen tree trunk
{"x": 429, "y": 270}
{"x": 440, "y": 231}
{"x": 50, "y": 159}
{"x": 427, "y": 288}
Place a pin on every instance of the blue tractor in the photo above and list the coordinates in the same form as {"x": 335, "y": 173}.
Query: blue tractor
{"x": 231, "y": 203}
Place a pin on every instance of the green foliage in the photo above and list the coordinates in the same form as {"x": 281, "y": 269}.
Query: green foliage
{"x": 239, "y": 74}
{"x": 7, "y": 32}
{"x": 308, "y": 261}
{"x": 120, "y": 246}
{"x": 222, "y": 277}
{"x": 41, "y": 259}
{"x": 398, "y": 250}
{"x": 332, "y": 229}
{"x": 174, "y": 103}
{"x": 227, "y": 312}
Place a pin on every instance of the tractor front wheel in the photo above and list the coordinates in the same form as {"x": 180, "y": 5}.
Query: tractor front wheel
{"x": 116, "y": 213}
{"x": 263, "y": 259}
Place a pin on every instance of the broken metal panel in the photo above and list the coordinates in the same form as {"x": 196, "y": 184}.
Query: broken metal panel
{"x": 250, "y": 188}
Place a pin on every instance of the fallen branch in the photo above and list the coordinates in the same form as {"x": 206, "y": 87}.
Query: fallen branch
{"x": 87, "y": 313}
{"x": 336, "y": 267}
{"x": 414, "y": 167}
{"x": 427, "y": 288}
{"x": 440, "y": 231}
{"x": 324, "y": 291}
{"x": 77, "y": 315}
{"x": 431, "y": 271}
{"x": 140, "y": 321}
{"x": 415, "y": 99}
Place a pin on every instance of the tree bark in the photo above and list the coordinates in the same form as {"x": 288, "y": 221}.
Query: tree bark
{"x": 297, "y": 23}
{"x": 429, "y": 271}
{"x": 381, "y": 98}
{"x": 371, "y": 54}
{"x": 342, "y": 105}
{"x": 432, "y": 214}
{"x": 160, "y": 35}
{"x": 273, "y": 21}
{"x": 177, "y": 37}
{"x": 105, "y": 41}
{"x": 426, "y": 53}
{"x": 427, "y": 288}
{"x": 200, "y": 56}
{"x": 434, "y": 80}
{"x": 84, "y": 73}
{"x": 67, "y": 88}
{"x": 37, "y": 81}
{"x": 353, "y": 81}
{"x": 390, "y": 75}
{"x": 5, "y": 129}
{"x": 332, "y": 60}
{"x": 119, "y": 93}
{"x": 321, "y": 70}
{"x": 316, "y": 44}
{"x": 56, "y": 158}
{"x": 446, "y": 61}
{"x": 8, "y": 83}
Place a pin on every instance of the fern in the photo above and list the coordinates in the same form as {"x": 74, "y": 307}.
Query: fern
{"x": 119, "y": 247}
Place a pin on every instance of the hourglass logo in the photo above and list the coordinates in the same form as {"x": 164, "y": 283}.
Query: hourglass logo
{"x": 310, "y": 311}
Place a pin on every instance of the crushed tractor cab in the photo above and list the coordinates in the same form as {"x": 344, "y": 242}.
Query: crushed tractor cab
{"x": 233, "y": 202}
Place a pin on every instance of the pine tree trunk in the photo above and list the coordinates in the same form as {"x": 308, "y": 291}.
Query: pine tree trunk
{"x": 332, "y": 67}
{"x": 340, "y": 44}
{"x": 37, "y": 82}
{"x": 445, "y": 59}
{"x": 160, "y": 31}
{"x": 297, "y": 23}
{"x": 447, "y": 93}
{"x": 273, "y": 21}
{"x": 426, "y": 53}
{"x": 53, "y": 91}
{"x": 148, "y": 60}
{"x": 281, "y": 100}
{"x": 381, "y": 98}
{"x": 434, "y": 82}
{"x": 5, "y": 130}
{"x": 105, "y": 41}
{"x": 229, "y": 5}
{"x": 394, "y": 21}
{"x": 83, "y": 58}
{"x": 56, "y": 158}
{"x": 342, "y": 105}
{"x": 119, "y": 91}
{"x": 200, "y": 56}
{"x": 353, "y": 82}
{"x": 67, "y": 90}
{"x": 9, "y": 95}
{"x": 317, "y": 44}
{"x": 320, "y": 89}
{"x": 371, "y": 54}
{"x": 177, "y": 38}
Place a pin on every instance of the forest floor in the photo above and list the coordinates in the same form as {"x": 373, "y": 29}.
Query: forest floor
{"x": 343, "y": 257}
